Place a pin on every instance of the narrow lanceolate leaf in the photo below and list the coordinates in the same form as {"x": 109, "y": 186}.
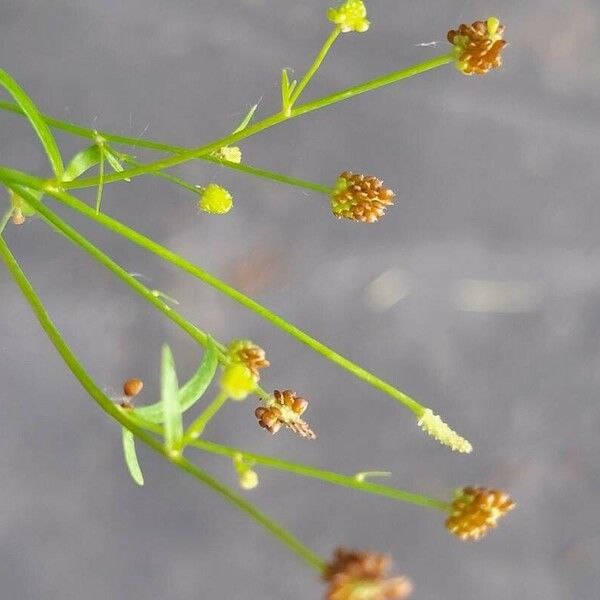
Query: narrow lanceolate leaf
{"x": 113, "y": 160}
{"x": 33, "y": 115}
{"x": 169, "y": 397}
{"x": 131, "y": 459}
{"x": 101, "y": 183}
{"x": 82, "y": 162}
{"x": 285, "y": 89}
{"x": 191, "y": 391}
{"x": 194, "y": 389}
{"x": 246, "y": 120}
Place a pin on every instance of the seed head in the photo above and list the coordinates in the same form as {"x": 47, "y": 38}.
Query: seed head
{"x": 284, "y": 409}
{"x": 17, "y": 217}
{"x": 229, "y": 153}
{"x": 360, "y": 197}
{"x": 21, "y": 210}
{"x": 132, "y": 387}
{"x": 438, "y": 430}
{"x": 360, "y": 576}
{"x": 350, "y": 16}
{"x": 237, "y": 381}
{"x": 477, "y": 47}
{"x": 249, "y": 354}
{"x": 215, "y": 199}
{"x": 476, "y": 510}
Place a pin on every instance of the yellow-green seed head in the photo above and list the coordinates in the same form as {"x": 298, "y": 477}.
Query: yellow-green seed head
{"x": 237, "y": 381}
{"x": 229, "y": 153}
{"x": 437, "y": 429}
{"x": 350, "y": 16}
{"x": 215, "y": 199}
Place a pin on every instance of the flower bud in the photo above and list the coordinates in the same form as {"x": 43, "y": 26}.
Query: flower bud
{"x": 350, "y": 16}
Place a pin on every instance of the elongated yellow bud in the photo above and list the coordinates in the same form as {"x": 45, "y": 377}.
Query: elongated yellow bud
{"x": 438, "y": 430}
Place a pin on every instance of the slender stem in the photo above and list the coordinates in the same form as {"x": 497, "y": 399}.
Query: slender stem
{"x": 350, "y": 92}
{"x": 315, "y": 66}
{"x": 5, "y": 219}
{"x": 176, "y": 180}
{"x": 171, "y": 149}
{"x": 349, "y": 481}
{"x": 109, "y": 407}
{"x": 8, "y": 175}
{"x": 279, "y": 177}
{"x": 195, "y": 430}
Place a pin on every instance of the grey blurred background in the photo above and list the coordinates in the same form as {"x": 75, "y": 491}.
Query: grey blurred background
{"x": 479, "y": 293}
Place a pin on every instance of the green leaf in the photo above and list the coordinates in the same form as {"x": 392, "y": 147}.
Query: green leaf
{"x": 285, "y": 89}
{"x": 246, "y": 120}
{"x": 82, "y": 162}
{"x": 169, "y": 397}
{"x": 191, "y": 391}
{"x": 37, "y": 122}
{"x": 101, "y": 184}
{"x": 194, "y": 389}
{"x": 114, "y": 160}
{"x": 131, "y": 459}
{"x": 292, "y": 87}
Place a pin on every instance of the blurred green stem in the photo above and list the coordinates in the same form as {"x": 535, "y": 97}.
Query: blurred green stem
{"x": 119, "y": 415}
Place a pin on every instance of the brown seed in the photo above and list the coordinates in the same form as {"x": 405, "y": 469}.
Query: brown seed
{"x": 477, "y": 510}
{"x": 477, "y": 49}
{"x": 132, "y": 387}
{"x": 360, "y": 198}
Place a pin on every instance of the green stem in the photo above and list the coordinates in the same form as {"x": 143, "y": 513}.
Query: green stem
{"x": 195, "y": 430}
{"x": 176, "y": 180}
{"x": 5, "y": 219}
{"x": 77, "y": 239}
{"x": 109, "y": 407}
{"x": 327, "y": 476}
{"x": 171, "y": 149}
{"x": 167, "y": 163}
{"x": 8, "y": 175}
{"x": 315, "y": 66}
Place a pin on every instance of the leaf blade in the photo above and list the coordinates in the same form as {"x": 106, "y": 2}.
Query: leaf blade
{"x": 198, "y": 383}
{"x": 35, "y": 119}
{"x": 246, "y": 120}
{"x": 169, "y": 396}
{"x": 130, "y": 455}
{"x": 82, "y": 162}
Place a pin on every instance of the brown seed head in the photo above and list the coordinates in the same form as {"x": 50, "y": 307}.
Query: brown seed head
{"x": 477, "y": 47}
{"x": 132, "y": 387}
{"x": 249, "y": 354}
{"x": 476, "y": 510}
{"x": 361, "y": 575}
{"x": 284, "y": 409}
{"x": 18, "y": 218}
{"x": 360, "y": 198}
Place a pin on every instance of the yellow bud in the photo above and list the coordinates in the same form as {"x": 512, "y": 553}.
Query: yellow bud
{"x": 248, "y": 479}
{"x": 493, "y": 23}
{"x": 350, "y": 16}
{"x": 215, "y": 200}
{"x": 237, "y": 381}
